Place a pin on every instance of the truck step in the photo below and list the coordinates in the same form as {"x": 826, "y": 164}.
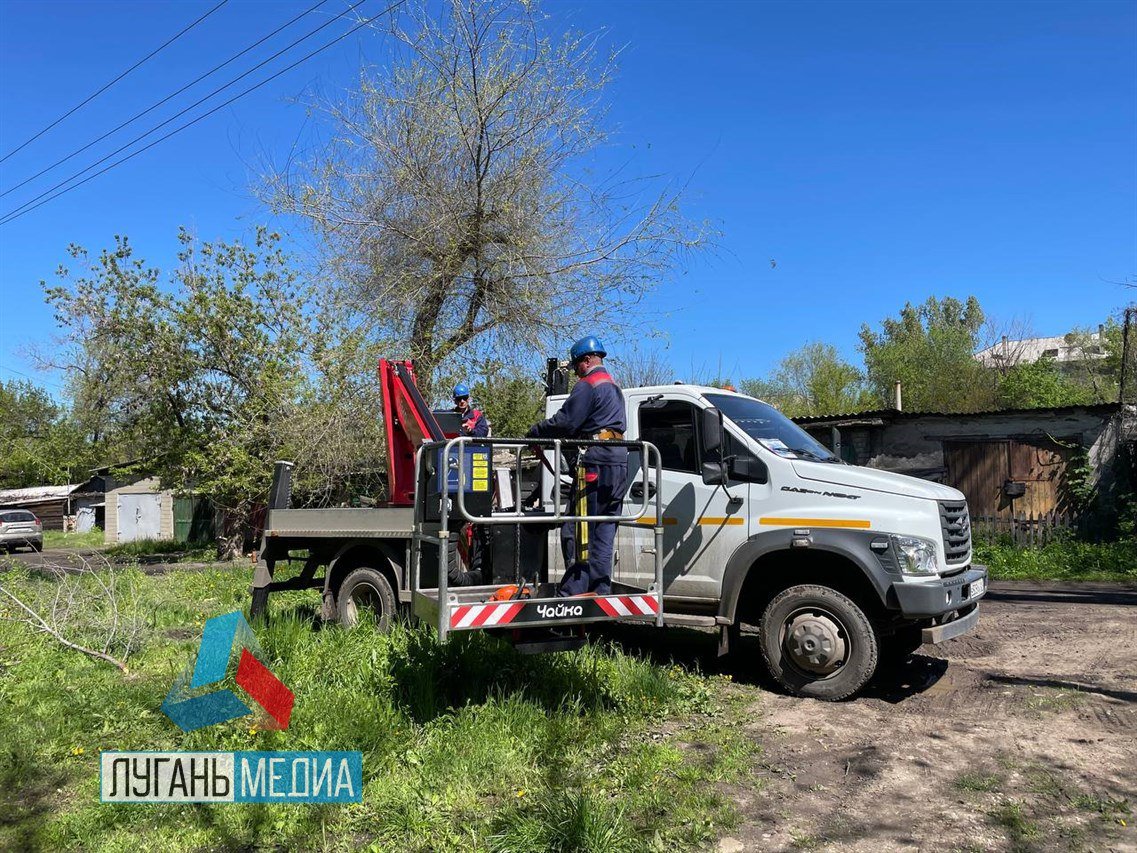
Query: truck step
{"x": 687, "y": 620}
{"x": 558, "y": 644}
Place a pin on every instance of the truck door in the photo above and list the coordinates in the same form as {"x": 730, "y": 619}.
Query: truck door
{"x": 702, "y": 523}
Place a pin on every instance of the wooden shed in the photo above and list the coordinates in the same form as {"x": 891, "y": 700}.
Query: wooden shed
{"x": 1011, "y": 464}
{"x": 51, "y": 504}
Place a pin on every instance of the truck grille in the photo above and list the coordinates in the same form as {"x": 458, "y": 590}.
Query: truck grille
{"x": 957, "y": 531}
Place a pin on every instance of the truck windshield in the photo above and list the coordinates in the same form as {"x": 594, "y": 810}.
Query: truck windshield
{"x": 771, "y": 428}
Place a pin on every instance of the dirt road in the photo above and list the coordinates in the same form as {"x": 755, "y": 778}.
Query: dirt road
{"x": 1020, "y": 736}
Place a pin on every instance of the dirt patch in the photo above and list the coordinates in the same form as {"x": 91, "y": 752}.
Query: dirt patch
{"x": 1020, "y": 736}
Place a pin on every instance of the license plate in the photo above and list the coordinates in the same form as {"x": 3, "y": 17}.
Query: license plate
{"x": 978, "y": 587}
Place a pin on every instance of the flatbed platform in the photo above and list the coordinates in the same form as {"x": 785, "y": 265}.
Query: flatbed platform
{"x": 337, "y": 523}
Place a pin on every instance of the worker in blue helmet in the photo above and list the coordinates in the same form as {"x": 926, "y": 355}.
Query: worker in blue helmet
{"x": 594, "y": 410}
{"x": 474, "y": 422}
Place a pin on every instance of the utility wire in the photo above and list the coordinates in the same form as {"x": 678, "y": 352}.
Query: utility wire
{"x": 153, "y": 107}
{"x": 90, "y": 98}
{"x": 27, "y": 209}
{"x": 32, "y": 378}
{"x": 28, "y": 204}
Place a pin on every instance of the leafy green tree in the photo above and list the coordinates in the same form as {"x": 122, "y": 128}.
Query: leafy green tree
{"x": 209, "y": 379}
{"x": 813, "y": 380}
{"x": 930, "y": 349}
{"x": 1040, "y": 384}
{"x": 40, "y": 444}
{"x": 1096, "y": 363}
{"x": 511, "y": 399}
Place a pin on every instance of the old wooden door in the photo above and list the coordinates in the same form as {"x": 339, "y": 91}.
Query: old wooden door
{"x": 980, "y": 468}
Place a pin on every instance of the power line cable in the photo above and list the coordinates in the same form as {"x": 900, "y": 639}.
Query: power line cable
{"x": 90, "y": 98}
{"x": 16, "y": 214}
{"x": 30, "y": 204}
{"x": 32, "y": 378}
{"x": 153, "y": 107}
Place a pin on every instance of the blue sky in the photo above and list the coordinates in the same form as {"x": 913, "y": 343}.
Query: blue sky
{"x": 879, "y": 152}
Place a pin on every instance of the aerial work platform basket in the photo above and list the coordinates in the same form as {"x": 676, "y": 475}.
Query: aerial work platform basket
{"x": 451, "y": 475}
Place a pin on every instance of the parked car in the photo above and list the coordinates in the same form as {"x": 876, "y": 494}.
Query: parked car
{"x": 20, "y": 528}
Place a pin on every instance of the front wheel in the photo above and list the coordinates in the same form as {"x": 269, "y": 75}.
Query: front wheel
{"x": 817, "y": 642}
{"x": 365, "y": 590}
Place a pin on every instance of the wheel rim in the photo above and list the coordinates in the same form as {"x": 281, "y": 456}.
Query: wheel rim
{"x": 816, "y": 642}
{"x": 364, "y": 596}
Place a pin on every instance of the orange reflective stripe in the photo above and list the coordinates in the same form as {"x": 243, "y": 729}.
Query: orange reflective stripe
{"x": 817, "y": 522}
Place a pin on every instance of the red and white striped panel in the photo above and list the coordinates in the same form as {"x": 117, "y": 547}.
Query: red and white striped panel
{"x": 485, "y": 615}
{"x": 628, "y": 605}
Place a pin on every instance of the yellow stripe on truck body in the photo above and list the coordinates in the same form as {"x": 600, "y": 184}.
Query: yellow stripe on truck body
{"x": 859, "y": 523}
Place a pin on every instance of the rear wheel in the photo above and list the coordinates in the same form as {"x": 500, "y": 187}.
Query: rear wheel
{"x": 365, "y": 591}
{"x": 817, "y": 642}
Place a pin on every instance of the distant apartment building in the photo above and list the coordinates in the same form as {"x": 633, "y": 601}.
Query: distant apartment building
{"x": 1061, "y": 348}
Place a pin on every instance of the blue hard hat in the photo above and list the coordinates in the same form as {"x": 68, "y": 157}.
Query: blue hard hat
{"x": 461, "y": 390}
{"x": 586, "y": 346}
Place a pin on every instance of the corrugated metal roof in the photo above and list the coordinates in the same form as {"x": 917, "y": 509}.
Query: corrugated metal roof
{"x": 895, "y": 415}
{"x": 35, "y": 493}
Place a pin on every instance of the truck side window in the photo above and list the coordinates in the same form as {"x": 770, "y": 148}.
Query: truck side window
{"x": 672, "y": 428}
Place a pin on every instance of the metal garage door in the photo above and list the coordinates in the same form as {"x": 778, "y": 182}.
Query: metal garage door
{"x": 139, "y": 517}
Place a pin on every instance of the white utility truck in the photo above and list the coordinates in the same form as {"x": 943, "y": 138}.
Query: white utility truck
{"x": 737, "y": 517}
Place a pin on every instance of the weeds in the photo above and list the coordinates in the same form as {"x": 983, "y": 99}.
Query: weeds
{"x": 166, "y": 550}
{"x": 1107, "y": 807}
{"x": 1012, "y": 817}
{"x": 59, "y": 539}
{"x": 1062, "y": 560}
{"x": 978, "y": 782}
{"x": 467, "y": 745}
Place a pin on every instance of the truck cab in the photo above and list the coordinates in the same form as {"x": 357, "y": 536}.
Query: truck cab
{"x": 837, "y": 566}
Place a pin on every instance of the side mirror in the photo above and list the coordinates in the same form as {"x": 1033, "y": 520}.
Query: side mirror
{"x": 712, "y": 430}
{"x": 713, "y": 474}
{"x": 748, "y": 469}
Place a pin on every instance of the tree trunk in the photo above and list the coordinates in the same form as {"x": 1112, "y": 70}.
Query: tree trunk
{"x": 231, "y": 539}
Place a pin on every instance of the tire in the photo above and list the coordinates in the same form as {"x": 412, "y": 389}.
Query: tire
{"x": 835, "y": 651}
{"x": 37, "y": 546}
{"x": 365, "y": 588}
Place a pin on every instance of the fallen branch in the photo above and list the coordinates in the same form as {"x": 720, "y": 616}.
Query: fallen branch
{"x": 83, "y": 611}
{"x": 37, "y": 621}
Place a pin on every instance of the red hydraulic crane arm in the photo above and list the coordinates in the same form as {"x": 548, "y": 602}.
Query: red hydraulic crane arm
{"x": 408, "y": 421}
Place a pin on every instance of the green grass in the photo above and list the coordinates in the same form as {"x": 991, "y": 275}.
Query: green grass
{"x": 1012, "y": 816}
{"x": 978, "y": 782}
{"x": 467, "y": 746}
{"x": 59, "y": 539}
{"x": 167, "y": 550}
{"x": 1107, "y": 807}
{"x": 1071, "y": 561}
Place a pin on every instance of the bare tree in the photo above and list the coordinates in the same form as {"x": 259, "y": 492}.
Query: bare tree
{"x": 637, "y": 366}
{"x": 452, "y": 203}
{"x": 89, "y": 606}
{"x": 1004, "y": 343}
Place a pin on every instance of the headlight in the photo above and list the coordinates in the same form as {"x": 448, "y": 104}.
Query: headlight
{"x": 916, "y": 556}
